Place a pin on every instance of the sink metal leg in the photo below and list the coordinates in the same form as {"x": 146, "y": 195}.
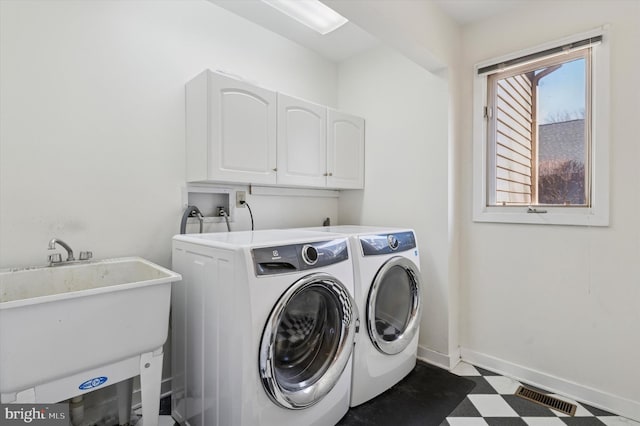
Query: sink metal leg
{"x": 125, "y": 395}
{"x": 150, "y": 382}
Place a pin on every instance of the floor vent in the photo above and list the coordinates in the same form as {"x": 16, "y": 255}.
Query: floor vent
{"x": 546, "y": 400}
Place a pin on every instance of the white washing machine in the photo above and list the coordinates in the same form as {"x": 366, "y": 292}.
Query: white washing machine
{"x": 263, "y": 328}
{"x": 388, "y": 293}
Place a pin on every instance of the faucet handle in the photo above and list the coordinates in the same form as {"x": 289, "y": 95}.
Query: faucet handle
{"x": 86, "y": 255}
{"x": 55, "y": 258}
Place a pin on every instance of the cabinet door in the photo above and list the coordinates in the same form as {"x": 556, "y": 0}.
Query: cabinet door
{"x": 345, "y": 150}
{"x": 231, "y": 131}
{"x": 302, "y": 130}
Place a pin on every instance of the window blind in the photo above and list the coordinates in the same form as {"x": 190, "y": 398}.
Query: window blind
{"x": 587, "y": 42}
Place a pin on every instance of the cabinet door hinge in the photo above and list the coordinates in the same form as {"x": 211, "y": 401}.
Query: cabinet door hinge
{"x": 488, "y": 112}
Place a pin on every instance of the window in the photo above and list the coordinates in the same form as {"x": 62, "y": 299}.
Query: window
{"x": 541, "y": 135}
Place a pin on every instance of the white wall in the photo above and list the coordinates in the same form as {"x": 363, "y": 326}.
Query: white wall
{"x": 412, "y": 118}
{"x": 557, "y": 304}
{"x": 405, "y": 108}
{"x": 92, "y": 124}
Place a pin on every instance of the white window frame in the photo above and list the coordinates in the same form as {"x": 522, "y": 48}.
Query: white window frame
{"x": 597, "y": 214}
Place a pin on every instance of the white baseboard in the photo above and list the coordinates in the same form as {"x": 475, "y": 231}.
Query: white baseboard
{"x": 439, "y": 359}
{"x": 615, "y": 404}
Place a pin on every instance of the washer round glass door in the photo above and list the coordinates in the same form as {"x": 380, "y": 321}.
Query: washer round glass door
{"x": 307, "y": 341}
{"x": 393, "y": 306}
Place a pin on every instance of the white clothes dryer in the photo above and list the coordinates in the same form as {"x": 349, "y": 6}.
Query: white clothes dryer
{"x": 263, "y": 328}
{"x": 388, "y": 294}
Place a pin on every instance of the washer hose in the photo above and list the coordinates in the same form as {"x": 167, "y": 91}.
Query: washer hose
{"x": 191, "y": 211}
{"x": 226, "y": 218}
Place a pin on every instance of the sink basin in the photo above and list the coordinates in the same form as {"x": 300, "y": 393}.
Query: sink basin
{"x": 59, "y": 321}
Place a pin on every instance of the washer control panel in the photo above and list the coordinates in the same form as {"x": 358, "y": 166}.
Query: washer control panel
{"x": 387, "y": 243}
{"x": 298, "y": 257}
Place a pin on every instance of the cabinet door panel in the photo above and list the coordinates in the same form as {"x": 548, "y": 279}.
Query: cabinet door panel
{"x": 345, "y": 150}
{"x": 242, "y": 132}
{"x": 301, "y": 142}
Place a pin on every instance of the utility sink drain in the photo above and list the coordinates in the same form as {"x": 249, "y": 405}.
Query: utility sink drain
{"x": 546, "y": 400}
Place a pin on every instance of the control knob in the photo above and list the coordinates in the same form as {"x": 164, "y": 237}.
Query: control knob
{"x": 393, "y": 242}
{"x": 309, "y": 254}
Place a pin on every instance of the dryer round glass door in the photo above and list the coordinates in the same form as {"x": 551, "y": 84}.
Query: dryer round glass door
{"x": 393, "y": 306}
{"x": 307, "y": 341}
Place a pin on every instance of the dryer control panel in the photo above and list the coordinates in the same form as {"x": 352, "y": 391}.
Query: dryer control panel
{"x": 298, "y": 257}
{"x": 387, "y": 243}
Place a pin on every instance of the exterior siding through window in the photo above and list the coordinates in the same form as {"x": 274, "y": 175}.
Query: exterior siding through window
{"x": 514, "y": 138}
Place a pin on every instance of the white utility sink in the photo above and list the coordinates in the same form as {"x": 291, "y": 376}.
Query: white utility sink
{"x": 68, "y": 329}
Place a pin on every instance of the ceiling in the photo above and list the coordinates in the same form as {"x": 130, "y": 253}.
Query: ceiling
{"x": 350, "y": 39}
{"x": 469, "y": 11}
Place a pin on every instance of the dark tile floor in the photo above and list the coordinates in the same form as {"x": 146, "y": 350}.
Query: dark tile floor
{"x": 424, "y": 397}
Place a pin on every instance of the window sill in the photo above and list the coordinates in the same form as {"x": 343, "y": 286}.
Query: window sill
{"x": 576, "y": 216}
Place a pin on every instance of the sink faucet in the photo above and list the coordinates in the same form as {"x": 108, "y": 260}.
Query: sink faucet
{"x": 52, "y": 246}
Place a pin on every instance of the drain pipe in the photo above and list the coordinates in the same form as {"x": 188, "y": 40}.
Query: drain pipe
{"x": 191, "y": 211}
{"x": 76, "y": 408}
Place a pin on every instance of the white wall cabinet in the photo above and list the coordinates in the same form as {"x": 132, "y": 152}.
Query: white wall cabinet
{"x": 241, "y": 133}
{"x": 302, "y": 142}
{"x": 345, "y": 150}
{"x": 231, "y": 131}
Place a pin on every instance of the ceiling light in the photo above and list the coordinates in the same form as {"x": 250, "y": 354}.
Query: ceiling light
{"x": 311, "y": 13}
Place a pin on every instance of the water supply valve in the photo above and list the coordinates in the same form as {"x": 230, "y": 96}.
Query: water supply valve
{"x": 86, "y": 255}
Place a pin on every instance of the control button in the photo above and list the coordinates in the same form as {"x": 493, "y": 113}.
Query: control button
{"x": 393, "y": 242}
{"x": 309, "y": 254}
